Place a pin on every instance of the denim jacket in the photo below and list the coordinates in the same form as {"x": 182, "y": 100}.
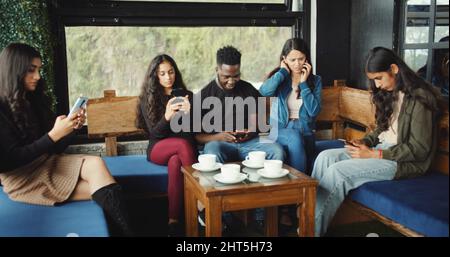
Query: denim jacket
{"x": 279, "y": 85}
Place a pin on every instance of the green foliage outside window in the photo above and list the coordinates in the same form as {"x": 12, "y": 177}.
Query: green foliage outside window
{"x": 27, "y": 21}
{"x": 117, "y": 58}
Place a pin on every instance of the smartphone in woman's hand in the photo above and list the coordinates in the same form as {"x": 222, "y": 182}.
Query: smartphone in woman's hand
{"x": 179, "y": 93}
{"x": 81, "y": 102}
{"x": 348, "y": 142}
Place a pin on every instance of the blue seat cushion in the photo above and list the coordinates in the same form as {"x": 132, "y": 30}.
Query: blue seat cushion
{"x": 322, "y": 145}
{"x": 328, "y": 144}
{"x": 137, "y": 175}
{"x": 81, "y": 218}
{"x": 420, "y": 204}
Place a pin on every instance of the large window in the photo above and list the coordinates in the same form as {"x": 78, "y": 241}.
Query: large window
{"x": 425, "y": 39}
{"x": 101, "y": 58}
{"x": 109, "y": 44}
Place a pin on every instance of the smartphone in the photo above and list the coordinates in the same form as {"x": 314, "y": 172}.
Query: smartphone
{"x": 347, "y": 142}
{"x": 81, "y": 102}
{"x": 179, "y": 93}
{"x": 240, "y": 135}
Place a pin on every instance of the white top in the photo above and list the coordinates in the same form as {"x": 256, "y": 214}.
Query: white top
{"x": 390, "y": 135}
{"x": 293, "y": 103}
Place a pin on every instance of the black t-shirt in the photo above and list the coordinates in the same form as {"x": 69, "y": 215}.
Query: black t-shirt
{"x": 233, "y": 117}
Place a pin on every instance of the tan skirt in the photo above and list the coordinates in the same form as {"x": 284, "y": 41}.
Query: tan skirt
{"x": 47, "y": 180}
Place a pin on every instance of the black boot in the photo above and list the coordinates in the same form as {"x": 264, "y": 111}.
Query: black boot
{"x": 110, "y": 198}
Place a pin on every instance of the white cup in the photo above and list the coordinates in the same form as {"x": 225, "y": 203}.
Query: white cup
{"x": 230, "y": 171}
{"x": 207, "y": 161}
{"x": 256, "y": 157}
{"x": 273, "y": 167}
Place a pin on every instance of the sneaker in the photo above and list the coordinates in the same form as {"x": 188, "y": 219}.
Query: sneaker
{"x": 175, "y": 229}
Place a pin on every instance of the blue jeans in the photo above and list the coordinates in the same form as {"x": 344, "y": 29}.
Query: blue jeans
{"x": 227, "y": 152}
{"x": 300, "y": 148}
{"x": 337, "y": 174}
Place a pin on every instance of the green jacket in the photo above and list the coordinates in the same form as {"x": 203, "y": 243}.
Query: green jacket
{"x": 417, "y": 137}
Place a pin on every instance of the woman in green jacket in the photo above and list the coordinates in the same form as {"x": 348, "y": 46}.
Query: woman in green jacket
{"x": 402, "y": 145}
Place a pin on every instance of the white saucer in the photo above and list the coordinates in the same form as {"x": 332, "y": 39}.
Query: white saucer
{"x": 197, "y": 166}
{"x": 218, "y": 177}
{"x": 249, "y": 164}
{"x": 263, "y": 173}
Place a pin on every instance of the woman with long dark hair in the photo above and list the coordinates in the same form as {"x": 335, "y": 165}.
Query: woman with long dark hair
{"x": 298, "y": 102}
{"x": 33, "y": 168}
{"x": 157, "y": 108}
{"x": 295, "y": 109}
{"x": 402, "y": 146}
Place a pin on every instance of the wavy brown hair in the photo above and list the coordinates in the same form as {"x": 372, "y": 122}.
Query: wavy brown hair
{"x": 152, "y": 93}
{"x": 15, "y": 62}
{"x": 380, "y": 59}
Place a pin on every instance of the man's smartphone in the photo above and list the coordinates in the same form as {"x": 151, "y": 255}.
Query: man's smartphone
{"x": 347, "y": 142}
{"x": 240, "y": 135}
{"x": 81, "y": 102}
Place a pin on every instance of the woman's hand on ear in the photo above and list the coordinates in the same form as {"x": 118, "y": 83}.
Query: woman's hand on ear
{"x": 283, "y": 64}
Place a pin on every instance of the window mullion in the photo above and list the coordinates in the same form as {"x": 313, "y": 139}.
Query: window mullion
{"x": 431, "y": 39}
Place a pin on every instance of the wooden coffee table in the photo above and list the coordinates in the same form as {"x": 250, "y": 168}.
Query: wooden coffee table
{"x": 294, "y": 188}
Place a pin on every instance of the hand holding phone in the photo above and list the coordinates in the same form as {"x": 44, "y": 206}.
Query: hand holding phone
{"x": 348, "y": 142}
{"x": 306, "y": 70}
{"x": 243, "y": 135}
{"x": 80, "y": 103}
{"x": 179, "y": 93}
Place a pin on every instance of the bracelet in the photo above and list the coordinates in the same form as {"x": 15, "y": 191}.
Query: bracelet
{"x": 380, "y": 154}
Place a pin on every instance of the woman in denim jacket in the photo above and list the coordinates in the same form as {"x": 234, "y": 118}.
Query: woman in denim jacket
{"x": 294, "y": 110}
{"x": 297, "y": 105}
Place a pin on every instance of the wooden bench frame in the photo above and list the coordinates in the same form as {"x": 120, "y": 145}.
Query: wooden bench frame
{"x": 342, "y": 104}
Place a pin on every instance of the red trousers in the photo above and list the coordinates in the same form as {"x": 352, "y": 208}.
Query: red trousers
{"x": 174, "y": 152}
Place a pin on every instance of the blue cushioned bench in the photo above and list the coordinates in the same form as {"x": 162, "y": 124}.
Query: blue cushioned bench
{"x": 420, "y": 204}
{"x": 136, "y": 174}
{"x": 82, "y": 218}
{"x": 414, "y": 207}
{"x": 86, "y": 218}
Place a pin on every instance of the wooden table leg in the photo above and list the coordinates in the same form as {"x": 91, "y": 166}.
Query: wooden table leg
{"x": 190, "y": 210}
{"x": 272, "y": 221}
{"x": 213, "y": 213}
{"x": 306, "y": 213}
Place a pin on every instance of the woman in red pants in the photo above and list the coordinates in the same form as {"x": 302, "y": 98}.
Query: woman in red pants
{"x": 157, "y": 108}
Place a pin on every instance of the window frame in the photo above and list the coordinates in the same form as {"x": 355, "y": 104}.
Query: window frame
{"x": 169, "y": 14}
{"x": 430, "y": 45}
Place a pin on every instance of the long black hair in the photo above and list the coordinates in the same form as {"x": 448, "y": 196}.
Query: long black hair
{"x": 152, "y": 93}
{"x": 15, "y": 62}
{"x": 299, "y": 45}
{"x": 380, "y": 59}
